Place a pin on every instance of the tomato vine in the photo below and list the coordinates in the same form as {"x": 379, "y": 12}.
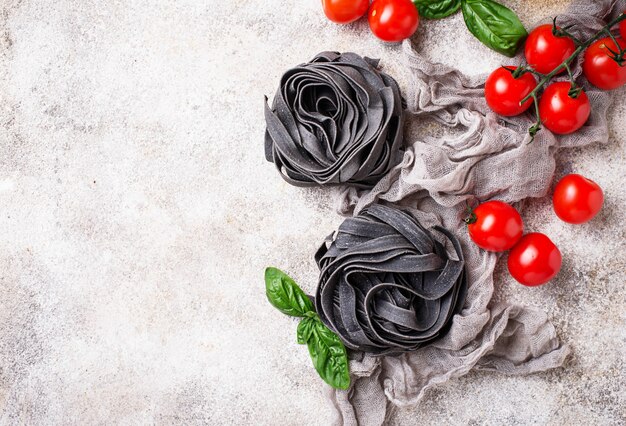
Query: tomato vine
{"x": 617, "y": 55}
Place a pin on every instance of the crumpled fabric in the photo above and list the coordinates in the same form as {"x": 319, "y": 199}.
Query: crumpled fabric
{"x": 336, "y": 119}
{"x": 387, "y": 284}
{"x": 482, "y": 156}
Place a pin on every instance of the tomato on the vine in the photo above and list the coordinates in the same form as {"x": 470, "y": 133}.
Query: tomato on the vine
{"x": 545, "y": 51}
{"x": 344, "y": 11}
{"x": 600, "y": 69}
{"x": 393, "y": 20}
{"x": 534, "y": 260}
{"x": 504, "y": 92}
{"x": 495, "y": 226}
{"x": 562, "y": 113}
{"x": 577, "y": 199}
{"x": 622, "y": 28}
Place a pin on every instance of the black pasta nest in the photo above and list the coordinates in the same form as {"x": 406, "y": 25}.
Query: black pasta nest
{"x": 386, "y": 284}
{"x": 335, "y": 119}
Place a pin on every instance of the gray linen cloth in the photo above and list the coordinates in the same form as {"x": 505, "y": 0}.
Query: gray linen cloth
{"x": 482, "y": 156}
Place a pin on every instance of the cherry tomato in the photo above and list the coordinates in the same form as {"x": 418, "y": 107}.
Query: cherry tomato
{"x": 503, "y": 92}
{"x": 602, "y": 71}
{"x": 344, "y": 11}
{"x": 561, "y": 113}
{"x": 534, "y": 260}
{"x": 495, "y": 226}
{"x": 622, "y": 28}
{"x": 544, "y": 51}
{"x": 393, "y": 20}
{"x": 577, "y": 199}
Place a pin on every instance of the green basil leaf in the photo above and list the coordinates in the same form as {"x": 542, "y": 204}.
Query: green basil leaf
{"x": 305, "y": 329}
{"x": 285, "y": 295}
{"x": 329, "y": 356}
{"x": 495, "y": 25}
{"x": 436, "y": 9}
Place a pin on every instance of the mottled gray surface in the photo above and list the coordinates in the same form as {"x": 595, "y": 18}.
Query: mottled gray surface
{"x": 138, "y": 213}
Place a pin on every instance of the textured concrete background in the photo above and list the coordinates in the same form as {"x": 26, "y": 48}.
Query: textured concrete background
{"x": 137, "y": 215}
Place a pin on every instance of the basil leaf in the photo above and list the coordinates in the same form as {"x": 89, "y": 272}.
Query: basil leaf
{"x": 285, "y": 295}
{"x": 305, "y": 329}
{"x": 329, "y": 356}
{"x": 436, "y": 9}
{"x": 495, "y": 25}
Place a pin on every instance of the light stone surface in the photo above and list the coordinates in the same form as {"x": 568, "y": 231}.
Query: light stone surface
{"x": 138, "y": 213}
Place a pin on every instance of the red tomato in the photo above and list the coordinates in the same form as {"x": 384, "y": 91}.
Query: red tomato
{"x": 534, "y": 260}
{"x": 495, "y": 226}
{"x": 503, "y": 92}
{"x": 577, "y": 199}
{"x": 345, "y": 11}
{"x": 544, "y": 51}
{"x": 393, "y": 20}
{"x": 622, "y": 28}
{"x": 602, "y": 71}
{"x": 561, "y": 113}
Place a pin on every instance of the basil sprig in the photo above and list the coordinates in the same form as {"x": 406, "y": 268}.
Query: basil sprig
{"x": 327, "y": 352}
{"x": 495, "y": 25}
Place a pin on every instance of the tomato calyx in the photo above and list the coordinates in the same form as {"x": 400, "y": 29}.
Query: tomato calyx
{"x": 533, "y": 130}
{"x": 471, "y": 216}
{"x": 518, "y": 72}
{"x": 617, "y": 56}
{"x": 574, "y": 91}
{"x": 564, "y": 32}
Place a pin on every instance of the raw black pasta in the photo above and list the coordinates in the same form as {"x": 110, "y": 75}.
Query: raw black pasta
{"x": 335, "y": 119}
{"x": 386, "y": 284}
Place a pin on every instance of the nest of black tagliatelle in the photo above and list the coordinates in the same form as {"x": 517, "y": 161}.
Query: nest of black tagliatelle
{"x": 387, "y": 285}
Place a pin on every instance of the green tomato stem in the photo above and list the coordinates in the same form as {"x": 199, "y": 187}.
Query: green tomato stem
{"x": 537, "y": 126}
